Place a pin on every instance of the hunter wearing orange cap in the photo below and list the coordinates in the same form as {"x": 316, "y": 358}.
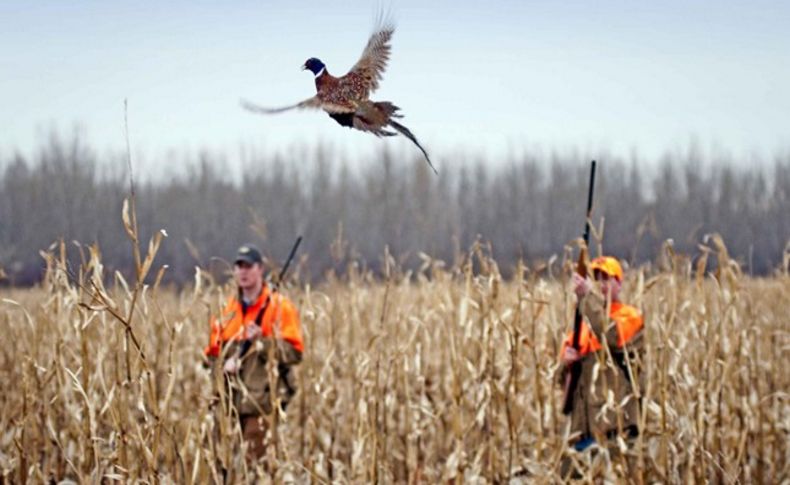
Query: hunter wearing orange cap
{"x": 594, "y": 414}
{"x": 270, "y": 322}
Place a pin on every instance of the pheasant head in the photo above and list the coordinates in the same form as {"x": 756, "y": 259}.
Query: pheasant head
{"x": 314, "y": 65}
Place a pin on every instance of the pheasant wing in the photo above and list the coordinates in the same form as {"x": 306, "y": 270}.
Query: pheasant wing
{"x": 370, "y": 67}
{"x": 371, "y": 118}
{"x": 311, "y": 103}
{"x": 363, "y": 124}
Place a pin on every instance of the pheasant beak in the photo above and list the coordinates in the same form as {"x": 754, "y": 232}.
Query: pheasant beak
{"x": 304, "y": 67}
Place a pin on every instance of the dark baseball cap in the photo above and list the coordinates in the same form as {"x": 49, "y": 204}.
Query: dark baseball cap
{"x": 248, "y": 253}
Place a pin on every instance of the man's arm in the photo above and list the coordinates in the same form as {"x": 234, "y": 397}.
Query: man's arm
{"x": 285, "y": 353}
{"x": 213, "y": 348}
{"x": 288, "y": 335}
{"x": 593, "y": 306}
{"x": 216, "y": 325}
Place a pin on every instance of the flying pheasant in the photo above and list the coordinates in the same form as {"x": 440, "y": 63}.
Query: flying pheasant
{"x": 347, "y": 98}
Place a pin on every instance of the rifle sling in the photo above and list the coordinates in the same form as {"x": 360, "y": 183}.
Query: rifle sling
{"x": 259, "y": 317}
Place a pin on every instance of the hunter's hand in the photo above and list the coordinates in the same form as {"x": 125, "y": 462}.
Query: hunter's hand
{"x": 232, "y": 365}
{"x": 570, "y": 356}
{"x": 581, "y": 285}
{"x": 253, "y": 332}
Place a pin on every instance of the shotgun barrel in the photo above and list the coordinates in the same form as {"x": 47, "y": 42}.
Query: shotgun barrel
{"x": 581, "y": 268}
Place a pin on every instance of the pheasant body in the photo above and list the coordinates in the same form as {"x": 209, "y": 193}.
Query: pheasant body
{"x": 346, "y": 99}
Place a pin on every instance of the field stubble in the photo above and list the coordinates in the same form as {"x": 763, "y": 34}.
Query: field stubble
{"x": 438, "y": 375}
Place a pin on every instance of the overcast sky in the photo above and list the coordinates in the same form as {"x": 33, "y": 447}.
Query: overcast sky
{"x": 477, "y": 77}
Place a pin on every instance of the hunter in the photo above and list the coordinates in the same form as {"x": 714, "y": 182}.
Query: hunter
{"x": 598, "y": 414}
{"x": 256, "y": 324}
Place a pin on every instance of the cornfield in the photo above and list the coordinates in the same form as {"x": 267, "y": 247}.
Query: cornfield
{"x": 446, "y": 374}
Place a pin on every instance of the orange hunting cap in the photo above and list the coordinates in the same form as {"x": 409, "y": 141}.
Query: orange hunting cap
{"x": 608, "y": 265}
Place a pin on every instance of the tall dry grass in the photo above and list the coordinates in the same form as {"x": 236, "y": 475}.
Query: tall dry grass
{"x": 447, "y": 374}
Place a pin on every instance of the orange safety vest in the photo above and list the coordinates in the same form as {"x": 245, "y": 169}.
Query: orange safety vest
{"x": 628, "y": 320}
{"x": 234, "y": 321}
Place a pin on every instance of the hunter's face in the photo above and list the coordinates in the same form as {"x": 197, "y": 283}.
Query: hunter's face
{"x": 608, "y": 284}
{"x": 247, "y": 275}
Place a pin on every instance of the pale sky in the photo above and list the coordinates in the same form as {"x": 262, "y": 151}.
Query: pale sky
{"x": 470, "y": 77}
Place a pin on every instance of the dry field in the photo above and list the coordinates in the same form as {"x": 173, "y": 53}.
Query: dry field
{"x": 443, "y": 375}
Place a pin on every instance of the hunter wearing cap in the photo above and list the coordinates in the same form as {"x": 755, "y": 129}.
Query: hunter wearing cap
{"x": 270, "y": 322}
{"x": 604, "y": 401}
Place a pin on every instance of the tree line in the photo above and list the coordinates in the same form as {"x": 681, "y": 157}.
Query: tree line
{"x": 528, "y": 207}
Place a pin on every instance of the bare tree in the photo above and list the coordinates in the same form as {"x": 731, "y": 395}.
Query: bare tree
{"x": 528, "y": 207}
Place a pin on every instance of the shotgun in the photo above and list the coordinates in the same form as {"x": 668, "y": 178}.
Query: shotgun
{"x": 581, "y": 268}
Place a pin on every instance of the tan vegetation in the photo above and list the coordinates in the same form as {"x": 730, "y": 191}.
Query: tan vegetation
{"x": 443, "y": 374}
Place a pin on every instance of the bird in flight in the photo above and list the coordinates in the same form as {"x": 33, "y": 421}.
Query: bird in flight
{"x": 347, "y": 98}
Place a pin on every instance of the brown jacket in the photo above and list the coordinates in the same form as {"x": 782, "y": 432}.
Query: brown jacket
{"x": 250, "y": 387}
{"x": 605, "y": 401}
